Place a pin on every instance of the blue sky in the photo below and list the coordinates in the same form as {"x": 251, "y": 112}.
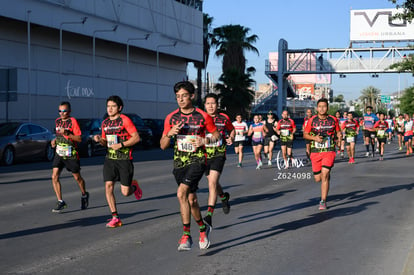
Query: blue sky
{"x": 303, "y": 24}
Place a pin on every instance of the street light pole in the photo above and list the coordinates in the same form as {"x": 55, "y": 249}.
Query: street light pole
{"x": 60, "y": 50}
{"x": 127, "y": 60}
{"x": 94, "y": 62}
{"x": 157, "y": 73}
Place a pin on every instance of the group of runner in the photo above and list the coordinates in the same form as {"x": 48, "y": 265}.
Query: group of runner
{"x": 200, "y": 141}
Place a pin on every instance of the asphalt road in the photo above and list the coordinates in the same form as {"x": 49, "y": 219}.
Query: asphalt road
{"x": 274, "y": 226}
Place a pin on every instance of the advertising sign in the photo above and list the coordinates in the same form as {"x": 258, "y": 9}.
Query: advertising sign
{"x": 379, "y": 25}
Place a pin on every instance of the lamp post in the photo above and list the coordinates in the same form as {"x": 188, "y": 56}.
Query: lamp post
{"x": 127, "y": 60}
{"x": 94, "y": 62}
{"x": 157, "y": 73}
{"x": 29, "y": 63}
{"x": 60, "y": 50}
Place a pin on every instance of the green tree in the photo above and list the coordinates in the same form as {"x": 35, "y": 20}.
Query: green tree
{"x": 339, "y": 98}
{"x": 407, "y": 101}
{"x": 231, "y": 41}
{"x": 236, "y": 95}
{"x": 405, "y": 9}
{"x": 405, "y": 12}
{"x": 200, "y": 66}
{"x": 370, "y": 96}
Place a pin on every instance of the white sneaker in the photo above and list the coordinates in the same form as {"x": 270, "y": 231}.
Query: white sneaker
{"x": 269, "y": 162}
{"x": 367, "y": 154}
{"x": 204, "y": 241}
{"x": 377, "y": 150}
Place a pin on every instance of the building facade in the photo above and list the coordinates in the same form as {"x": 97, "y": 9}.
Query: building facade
{"x": 84, "y": 51}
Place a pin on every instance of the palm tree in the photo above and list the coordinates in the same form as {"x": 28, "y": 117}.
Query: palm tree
{"x": 231, "y": 41}
{"x": 370, "y": 96}
{"x": 236, "y": 95}
{"x": 200, "y": 66}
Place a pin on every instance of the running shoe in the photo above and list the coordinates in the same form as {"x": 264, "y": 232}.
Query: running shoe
{"x": 352, "y": 160}
{"x": 239, "y": 165}
{"x": 85, "y": 201}
{"x": 138, "y": 191}
{"x": 342, "y": 154}
{"x": 204, "y": 241}
{"x": 322, "y": 205}
{"x": 400, "y": 148}
{"x": 207, "y": 219}
{"x": 185, "y": 243}
{"x": 225, "y": 205}
{"x": 260, "y": 164}
{"x": 377, "y": 150}
{"x": 60, "y": 205}
{"x": 269, "y": 162}
{"x": 114, "y": 222}
{"x": 367, "y": 154}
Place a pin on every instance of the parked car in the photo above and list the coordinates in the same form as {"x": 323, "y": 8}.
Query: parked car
{"x": 90, "y": 127}
{"x": 157, "y": 127}
{"x": 24, "y": 141}
{"x": 145, "y": 133}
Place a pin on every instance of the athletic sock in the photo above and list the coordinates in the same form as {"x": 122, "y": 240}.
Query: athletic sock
{"x": 367, "y": 147}
{"x": 186, "y": 229}
{"x": 210, "y": 210}
{"x": 115, "y": 214}
{"x": 201, "y": 225}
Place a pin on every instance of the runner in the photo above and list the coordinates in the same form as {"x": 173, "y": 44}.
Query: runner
{"x": 381, "y": 126}
{"x": 408, "y": 134}
{"x": 305, "y": 122}
{"x": 341, "y": 122}
{"x": 241, "y": 132}
{"x": 119, "y": 135}
{"x": 337, "y": 144}
{"x": 322, "y": 129}
{"x": 286, "y": 128}
{"x": 399, "y": 126}
{"x": 389, "y": 131}
{"x": 369, "y": 132}
{"x": 350, "y": 129}
{"x": 216, "y": 156}
{"x": 188, "y": 126}
{"x": 256, "y": 129}
{"x": 68, "y": 134}
{"x": 270, "y": 136}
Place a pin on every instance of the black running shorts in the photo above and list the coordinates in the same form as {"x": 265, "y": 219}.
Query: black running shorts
{"x": 216, "y": 164}
{"x": 72, "y": 165}
{"x": 118, "y": 170}
{"x": 190, "y": 175}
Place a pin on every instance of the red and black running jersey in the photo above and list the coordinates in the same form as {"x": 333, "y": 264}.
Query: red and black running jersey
{"x": 381, "y": 127}
{"x": 350, "y": 127}
{"x": 196, "y": 123}
{"x": 286, "y": 127}
{"x": 327, "y": 128}
{"x": 224, "y": 127}
{"x": 117, "y": 131}
{"x": 65, "y": 146}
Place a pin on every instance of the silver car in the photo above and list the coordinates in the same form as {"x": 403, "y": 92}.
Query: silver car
{"x": 24, "y": 141}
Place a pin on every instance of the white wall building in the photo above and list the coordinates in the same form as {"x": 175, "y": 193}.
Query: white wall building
{"x": 83, "y": 51}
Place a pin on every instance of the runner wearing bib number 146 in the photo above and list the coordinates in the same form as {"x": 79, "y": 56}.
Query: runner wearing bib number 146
{"x": 68, "y": 134}
{"x": 381, "y": 126}
{"x": 188, "y": 126}
{"x": 321, "y": 130}
{"x": 351, "y": 129}
{"x": 216, "y": 156}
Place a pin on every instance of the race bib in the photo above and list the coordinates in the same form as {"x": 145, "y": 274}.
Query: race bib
{"x": 185, "y": 143}
{"x": 257, "y": 135}
{"x": 239, "y": 136}
{"x": 64, "y": 150}
{"x": 350, "y": 139}
{"x": 400, "y": 130}
{"x": 381, "y": 133}
{"x": 274, "y": 138}
{"x": 372, "y": 135}
{"x": 212, "y": 144}
{"x": 111, "y": 139}
{"x": 284, "y": 132}
{"x": 325, "y": 144}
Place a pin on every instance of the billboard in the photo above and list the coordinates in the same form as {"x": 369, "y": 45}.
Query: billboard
{"x": 379, "y": 25}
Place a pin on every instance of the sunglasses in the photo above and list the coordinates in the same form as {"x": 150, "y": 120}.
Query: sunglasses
{"x": 63, "y": 111}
